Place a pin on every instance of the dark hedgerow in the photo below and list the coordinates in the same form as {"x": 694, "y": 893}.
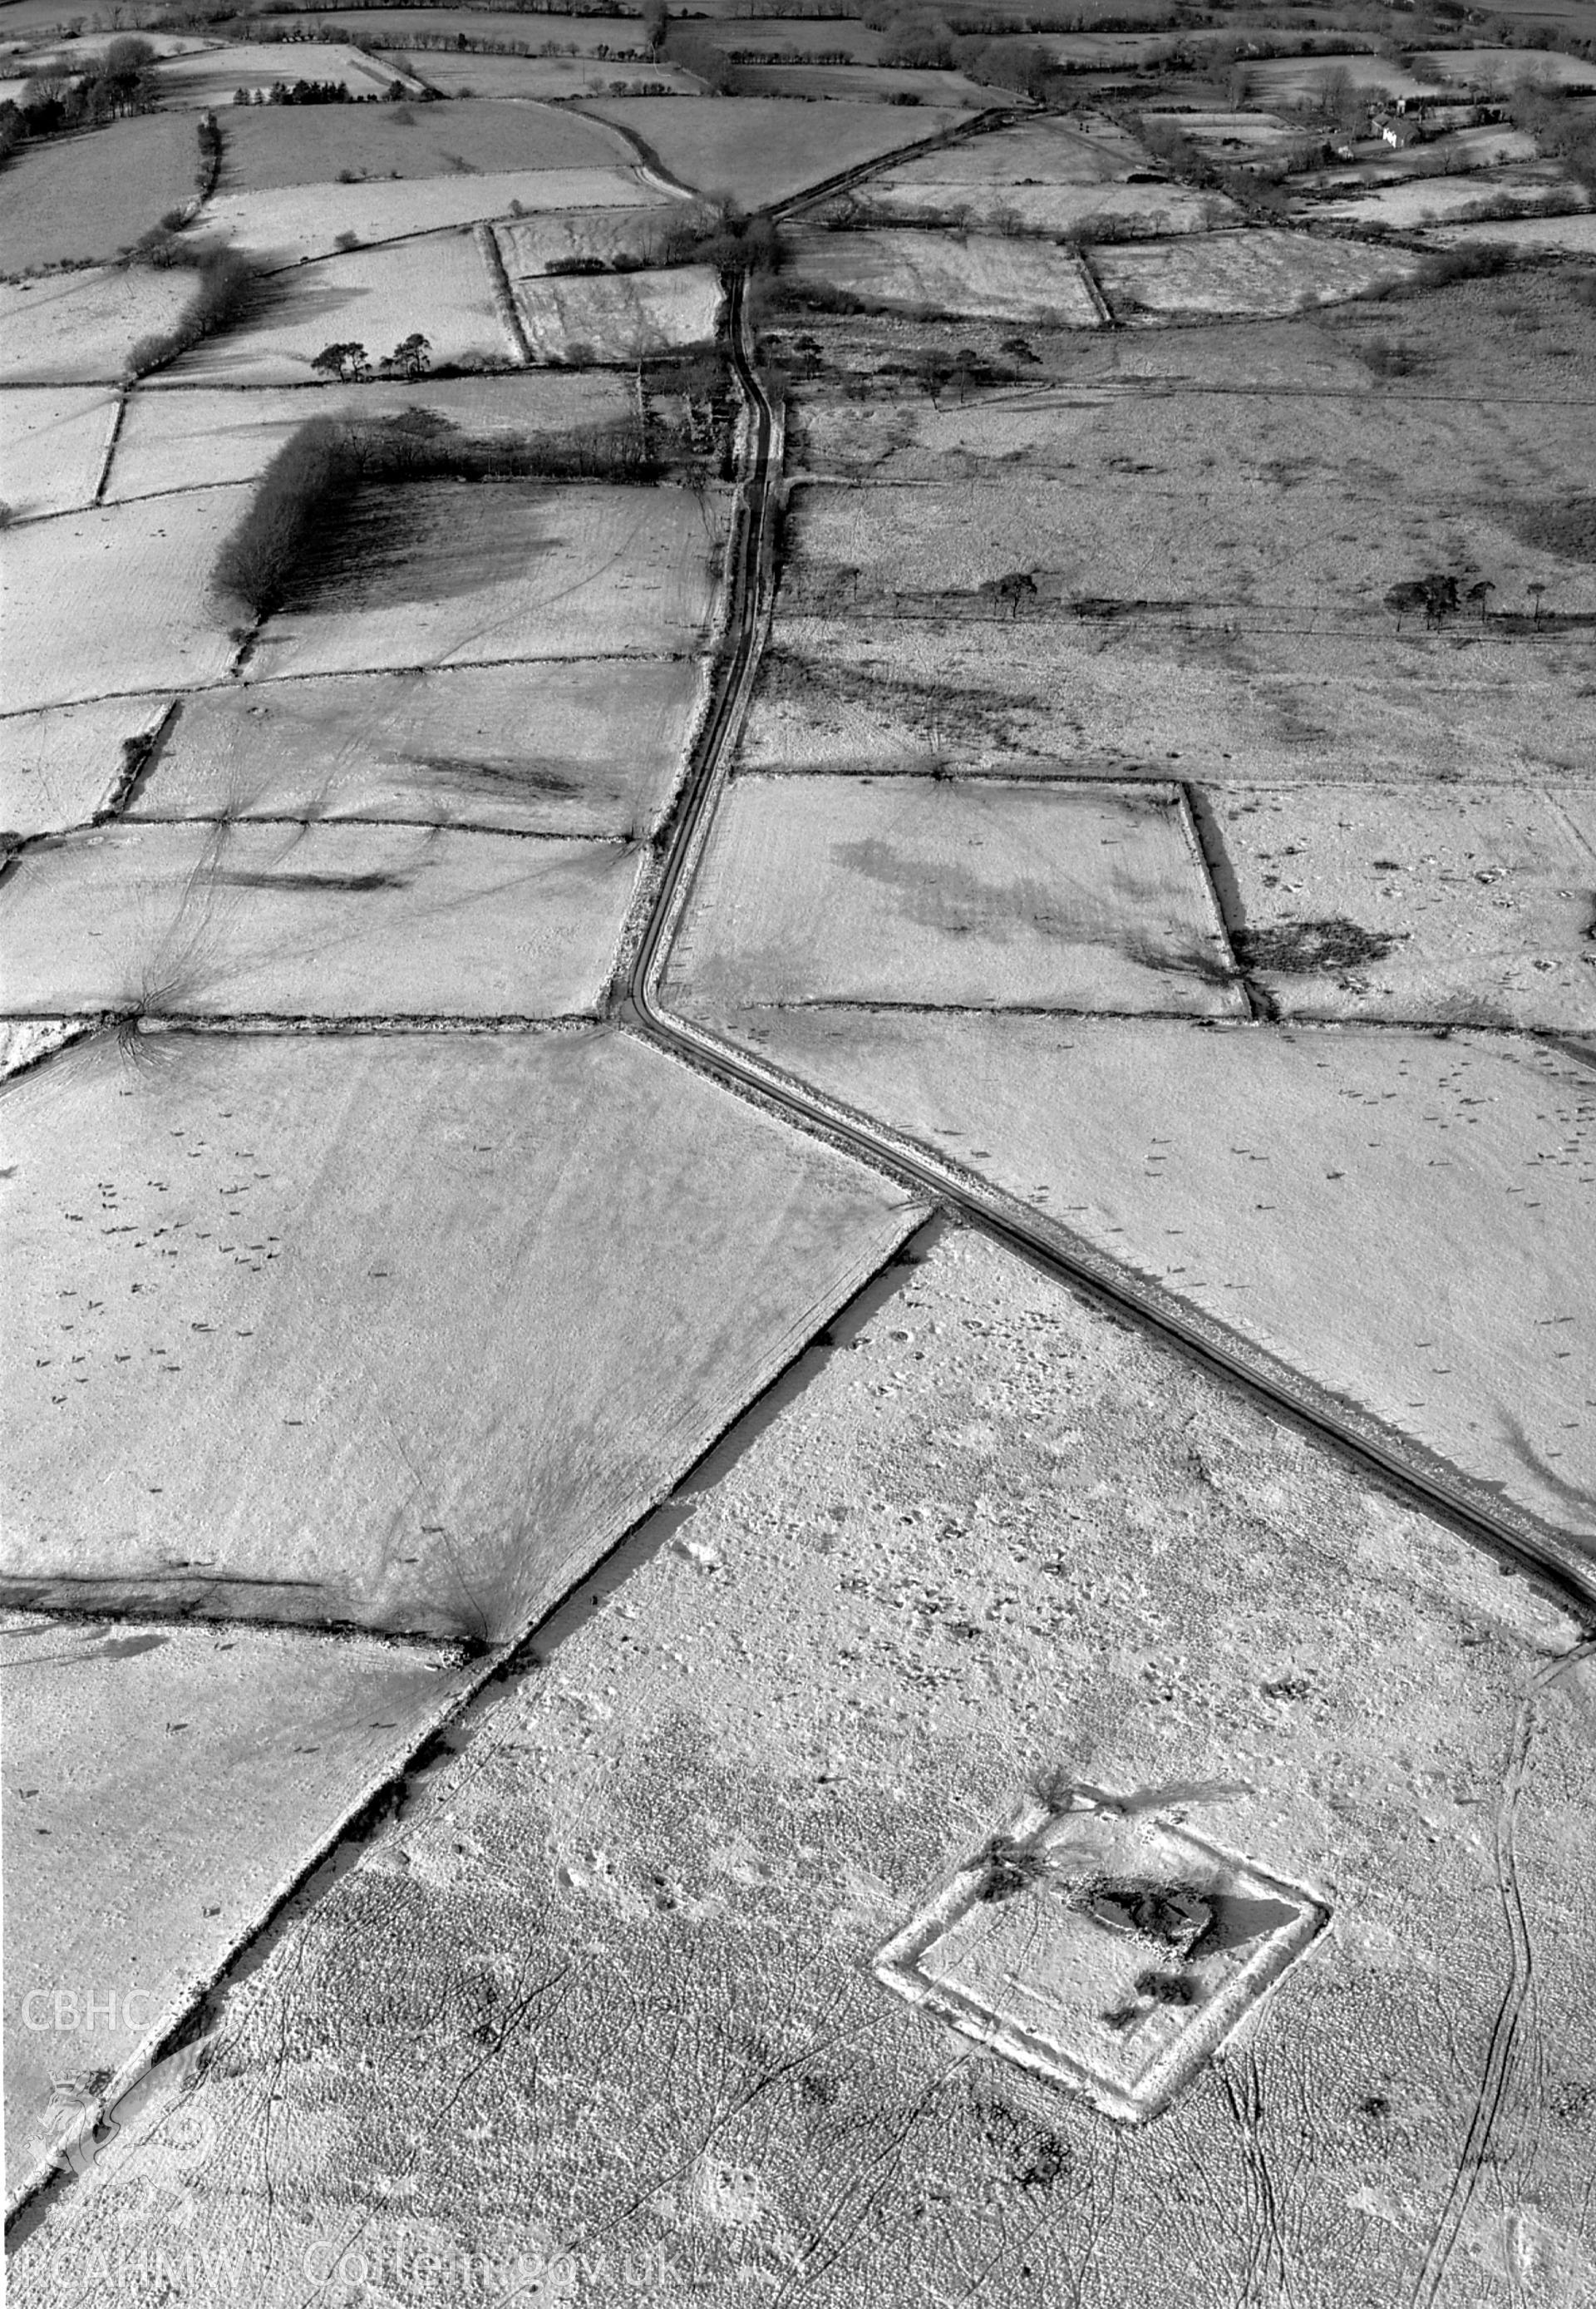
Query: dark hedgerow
{"x": 308, "y": 489}
{"x": 225, "y": 286}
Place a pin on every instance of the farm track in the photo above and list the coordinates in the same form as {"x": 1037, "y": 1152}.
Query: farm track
{"x": 1395, "y": 1462}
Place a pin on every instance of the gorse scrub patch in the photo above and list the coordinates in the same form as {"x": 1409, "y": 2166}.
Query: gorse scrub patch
{"x": 308, "y": 491}
{"x": 1566, "y": 526}
{"x": 1300, "y": 948}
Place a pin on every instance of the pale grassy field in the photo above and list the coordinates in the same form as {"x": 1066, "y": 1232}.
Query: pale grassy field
{"x": 801, "y": 39}
{"x": 984, "y": 895}
{"x": 66, "y": 199}
{"x": 1243, "y": 274}
{"x": 558, "y": 78}
{"x": 1571, "y": 235}
{"x": 1292, "y": 1185}
{"x": 1113, "y": 208}
{"x": 1507, "y": 68}
{"x": 993, "y": 278}
{"x": 862, "y": 83}
{"x": 593, "y": 746}
{"x": 1091, "y": 151}
{"x": 298, "y": 221}
{"x": 53, "y": 441}
{"x": 208, "y": 79}
{"x": 400, "y": 24}
{"x": 60, "y": 765}
{"x": 196, "y": 438}
{"x": 530, "y": 245}
{"x": 1138, "y": 696}
{"x": 438, "y": 575}
{"x": 75, "y": 328}
{"x": 1445, "y": 200}
{"x": 333, "y": 921}
{"x": 1468, "y": 148}
{"x": 376, "y": 296}
{"x": 761, "y": 149}
{"x": 115, "y": 599}
{"x": 1480, "y": 893}
{"x": 106, "y": 1726}
{"x": 86, "y": 47}
{"x": 1293, "y": 80}
{"x": 1255, "y": 130}
{"x": 309, "y": 144}
{"x": 324, "y": 1232}
{"x": 619, "y": 316}
{"x": 1041, "y": 177}
{"x": 1111, "y": 50}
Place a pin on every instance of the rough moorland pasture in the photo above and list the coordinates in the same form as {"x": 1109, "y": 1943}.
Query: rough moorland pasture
{"x": 1318, "y": 352}
{"x": 75, "y": 328}
{"x": 645, "y": 1252}
{"x": 105, "y": 1737}
{"x": 1244, "y": 274}
{"x": 1382, "y": 901}
{"x": 530, "y": 245}
{"x": 376, "y": 296}
{"x": 298, "y": 221}
{"x": 208, "y": 80}
{"x": 333, "y": 921}
{"x": 439, "y": 574}
{"x": 1269, "y": 1179}
{"x": 589, "y": 747}
{"x": 86, "y": 198}
{"x": 983, "y": 896}
{"x": 1520, "y": 335}
{"x": 1493, "y": 69}
{"x": 1533, "y": 187}
{"x": 1292, "y": 522}
{"x": 202, "y": 435}
{"x": 549, "y": 78}
{"x": 1570, "y": 235}
{"x": 115, "y": 599}
{"x": 1225, "y": 507}
{"x": 1089, "y": 212}
{"x": 59, "y": 766}
{"x": 1145, "y": 697}
{"x": 53, "y": 443}
{"x": 1001, "y": 1526}
{"x": 315, "y": 143}
{"x": 760, "y": 148}
{"x": 619, "y": 316}
{"x": 994, "y": 277}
